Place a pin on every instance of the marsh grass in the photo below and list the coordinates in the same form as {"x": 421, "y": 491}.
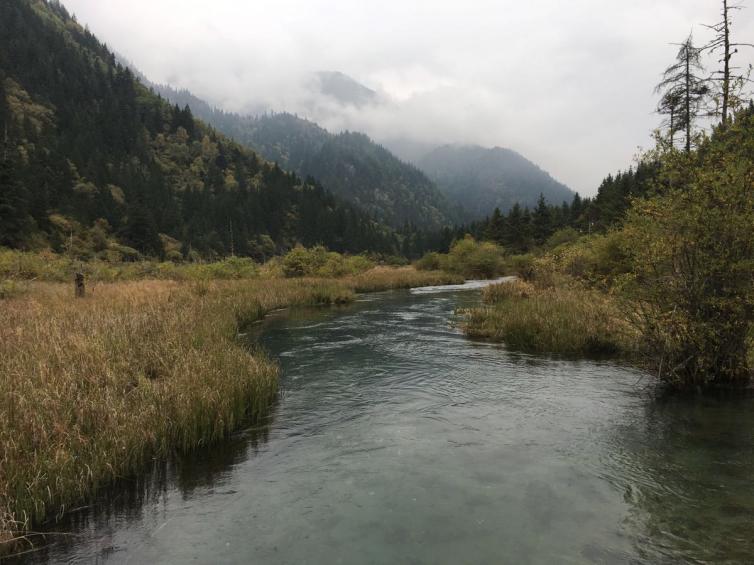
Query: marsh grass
{"x": 392, "y": 278}
{"x": 93, "y": 388}
{"x": 565, "y": 321}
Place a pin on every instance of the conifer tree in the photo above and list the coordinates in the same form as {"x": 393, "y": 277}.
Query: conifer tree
{"x": 684, "y": 88}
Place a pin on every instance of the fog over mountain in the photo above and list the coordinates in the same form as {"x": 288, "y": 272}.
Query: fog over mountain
{"x": 573, "y": 93}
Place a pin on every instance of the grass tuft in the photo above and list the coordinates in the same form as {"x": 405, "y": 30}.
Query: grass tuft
{"x": 551, "y": 320}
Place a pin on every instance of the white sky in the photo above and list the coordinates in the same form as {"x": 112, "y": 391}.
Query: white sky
{"x": 567, "y": 83}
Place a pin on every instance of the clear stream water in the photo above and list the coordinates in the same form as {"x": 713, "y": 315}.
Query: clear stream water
{"x": 398, "y": 440}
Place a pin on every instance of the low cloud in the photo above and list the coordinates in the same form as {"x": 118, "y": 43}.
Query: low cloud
{"x": 568, "y": 84}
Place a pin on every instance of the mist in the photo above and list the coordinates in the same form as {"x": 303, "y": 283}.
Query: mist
{"x": 568, "y": 85}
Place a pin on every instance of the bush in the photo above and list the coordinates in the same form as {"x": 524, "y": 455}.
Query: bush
{"x": 301, "y": 262}
{"x": 522, "y": 266}
{"x": 319, "y": 262}
{"x": 562, "y": 237}
{"x": 430, "y": 262}
{"x": 597, "y": 260}
{"x": 467, "y": 257}
{"x": 693, "y": 261}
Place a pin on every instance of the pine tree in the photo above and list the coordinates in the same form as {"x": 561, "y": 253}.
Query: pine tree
{"x": 541, "y": 221}
{"x": 15, "y": 223}
{"x": 495, "y": 230}
{"x": 683, "y": 84}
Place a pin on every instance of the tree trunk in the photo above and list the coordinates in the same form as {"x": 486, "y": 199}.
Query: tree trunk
{"x": 688, "y": 97}
{"x": 726, "y": 62}
{"x": 80, "y": 287}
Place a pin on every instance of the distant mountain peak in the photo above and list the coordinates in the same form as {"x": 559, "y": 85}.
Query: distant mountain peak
{"x": 481, "y": 179}
{"x": 344, "y": 89}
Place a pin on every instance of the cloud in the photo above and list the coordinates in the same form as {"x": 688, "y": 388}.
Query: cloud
{"x": 568, "y": 84}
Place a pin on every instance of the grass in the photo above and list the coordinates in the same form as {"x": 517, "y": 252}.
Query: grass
{"x": 550, "y": 320}
{"x": 93, "y": 388}
{"x": 392, "y": 278}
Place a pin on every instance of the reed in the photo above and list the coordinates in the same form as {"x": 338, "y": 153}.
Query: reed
{"x": 550, "y": 320}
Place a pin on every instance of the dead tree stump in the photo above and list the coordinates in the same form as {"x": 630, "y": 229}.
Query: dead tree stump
{"x": 80, "y": 288}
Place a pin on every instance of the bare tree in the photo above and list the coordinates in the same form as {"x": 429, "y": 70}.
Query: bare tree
{"x": 730, "y": 78}
{"x": 683, "y": 90}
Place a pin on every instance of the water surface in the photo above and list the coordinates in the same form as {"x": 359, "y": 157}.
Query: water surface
{"x": 397, "y": 440}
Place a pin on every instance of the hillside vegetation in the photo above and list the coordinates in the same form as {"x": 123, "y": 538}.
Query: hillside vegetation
{"x": 91, "y": 154}
{"x": 480, "y": 179}
{"x": 349, "y": 164}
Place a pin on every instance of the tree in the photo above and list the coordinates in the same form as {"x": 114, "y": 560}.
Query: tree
{"x": 517, "y": 229}
{"x": 496, "y": 227}
{"x": 729, "y": 78}
{"x": 683, "y": 88}
{"x": 541, "y": 221}
{"x": 671, "y": 105}
{"x": 15, "y": 223}
{"x": 140, "y": 233}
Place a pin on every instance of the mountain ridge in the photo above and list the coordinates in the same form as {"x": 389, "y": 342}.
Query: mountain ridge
{"x": 481, "y": 179}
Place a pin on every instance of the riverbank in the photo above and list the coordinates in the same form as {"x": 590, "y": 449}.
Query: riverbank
{"x": 94, "y": 388}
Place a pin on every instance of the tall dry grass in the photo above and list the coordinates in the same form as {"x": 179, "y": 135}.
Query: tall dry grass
{"x": 90, "y": 389}
{"x": 391, "y": 278}
{"x": 570, "y": 321}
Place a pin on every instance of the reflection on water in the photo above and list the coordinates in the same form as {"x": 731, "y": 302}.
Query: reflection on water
{"x": 396, "y": 440}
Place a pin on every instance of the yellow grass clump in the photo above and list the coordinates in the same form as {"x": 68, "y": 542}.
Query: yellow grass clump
{"x": 391, "y": 278}
{"x": 550, "y": 320}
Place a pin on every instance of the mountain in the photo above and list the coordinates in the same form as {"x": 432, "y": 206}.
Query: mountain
{"x": 92, "y": 162}
{"x": 481, "y": 179}
{"x": 343, "y": 89}
{"x": 349, "y": 164}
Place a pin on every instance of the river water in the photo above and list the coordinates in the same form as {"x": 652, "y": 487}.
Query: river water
{"x": 398, "y": 440}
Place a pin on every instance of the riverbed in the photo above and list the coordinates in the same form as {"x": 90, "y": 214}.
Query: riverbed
{"x": 398, "y": 440}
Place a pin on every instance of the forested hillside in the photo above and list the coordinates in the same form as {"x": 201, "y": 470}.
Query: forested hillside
{"x": 349, "y": 164}
{"x": 95, "y": 163}
{"x": 522, "y": 228}
{"x": 480, "y": 179}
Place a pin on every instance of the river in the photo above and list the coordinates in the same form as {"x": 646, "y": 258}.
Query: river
{"x": 398, "y": 440}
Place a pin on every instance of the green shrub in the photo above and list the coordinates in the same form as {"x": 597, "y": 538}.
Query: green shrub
{"x": 467, "y": 257}
{"x": 522, "y": 266}
{"x": 562, "y": 237}
{"x": 319, "y": 262}
{"x": 693, "y": 261}
{"x": 430, "y": 262}
{"x": 303, "y": 262}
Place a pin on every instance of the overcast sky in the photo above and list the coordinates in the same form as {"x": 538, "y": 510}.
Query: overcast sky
{"x": 569, "y": 84}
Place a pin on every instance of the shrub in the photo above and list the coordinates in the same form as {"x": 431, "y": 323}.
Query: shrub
{"x": 693, "y": 262}
{"x": 429, "y": 262}
{"x": 522, "y": 266}
{"x": 562, "y": 237}
{"x": 319, "y": 262}
{"x": 303, "y": 262}
{"x": 467, "y": 257}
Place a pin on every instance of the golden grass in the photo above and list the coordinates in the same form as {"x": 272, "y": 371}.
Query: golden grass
{"x": 93, "y": 388}
{"x": 390, "y": 278}
{"x": 550, "y": 320}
